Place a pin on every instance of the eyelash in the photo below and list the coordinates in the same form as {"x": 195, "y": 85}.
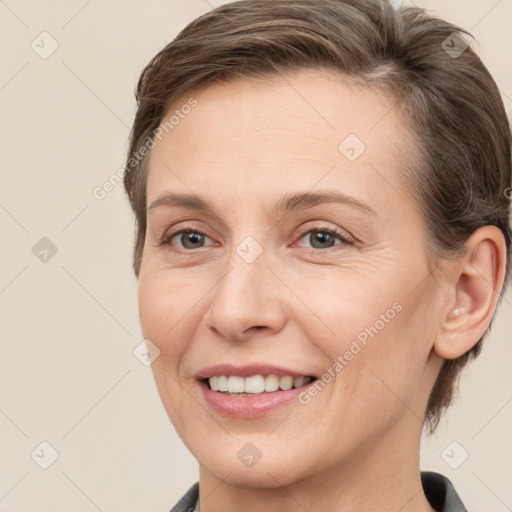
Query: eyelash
{"x": 319, "y": 229}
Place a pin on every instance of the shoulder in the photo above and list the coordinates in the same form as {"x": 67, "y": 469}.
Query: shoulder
{"x": 188, "y": 501}
{"x": 440, "y": 493}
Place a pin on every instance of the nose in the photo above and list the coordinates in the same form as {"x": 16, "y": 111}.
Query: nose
{"x": 247, "y": 299}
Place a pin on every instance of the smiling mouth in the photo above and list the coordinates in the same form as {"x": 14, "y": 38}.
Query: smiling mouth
{"x": 235, "y": 385}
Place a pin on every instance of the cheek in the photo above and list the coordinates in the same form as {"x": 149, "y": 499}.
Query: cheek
{"x": 165, "y": 308}
{"x": 379, "y": 337}
{"x": 390, "y": 367}
{"x": 164, "y": 319}
{"x": 345, "y": 309}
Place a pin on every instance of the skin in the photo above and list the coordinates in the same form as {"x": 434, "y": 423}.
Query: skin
{"x": 354, "y": 446}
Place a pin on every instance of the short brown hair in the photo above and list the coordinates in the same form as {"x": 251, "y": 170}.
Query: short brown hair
{"x": 452, "y": 105}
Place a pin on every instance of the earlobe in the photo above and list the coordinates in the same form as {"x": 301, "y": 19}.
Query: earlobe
{"x": 478, "y": 278}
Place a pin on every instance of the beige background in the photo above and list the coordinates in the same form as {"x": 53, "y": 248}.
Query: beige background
{"x": 69, "y": 325}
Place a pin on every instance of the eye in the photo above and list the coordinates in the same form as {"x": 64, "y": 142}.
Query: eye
{"x": 320, "y": 238}
{"x": 324, "y": 237}
{"x": 187, "y": 239}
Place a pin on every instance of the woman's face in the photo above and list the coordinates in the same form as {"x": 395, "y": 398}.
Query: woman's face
{"x": 304, "y": 257}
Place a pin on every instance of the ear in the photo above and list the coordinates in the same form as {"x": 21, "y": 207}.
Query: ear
{"x": 477, "y": 279}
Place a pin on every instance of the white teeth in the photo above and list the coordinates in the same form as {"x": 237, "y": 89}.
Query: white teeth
{"x": 286, "y": 383}
{"x": 235, "y": 384}
{"x": 298, "y": 382}
{"x": 222, "y": 383}
{"x": 214, "y": 383}
{"x": 271, "y": 383}
{"x": 256, "y": 384}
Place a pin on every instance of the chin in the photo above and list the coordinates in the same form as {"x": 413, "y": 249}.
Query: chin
{"x": 238, "y": 462}
{"x": 263, "y": 475}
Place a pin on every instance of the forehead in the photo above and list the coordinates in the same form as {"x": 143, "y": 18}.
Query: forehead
{"x": 264, "y": 134}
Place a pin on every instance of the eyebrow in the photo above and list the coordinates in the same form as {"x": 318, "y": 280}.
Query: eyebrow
{"x": 288, "y": 203}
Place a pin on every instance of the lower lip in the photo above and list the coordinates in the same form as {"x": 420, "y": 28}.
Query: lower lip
{"x": 249, "y": 406}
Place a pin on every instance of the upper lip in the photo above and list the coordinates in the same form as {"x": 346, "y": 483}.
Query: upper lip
{"x": 248, "y": 371}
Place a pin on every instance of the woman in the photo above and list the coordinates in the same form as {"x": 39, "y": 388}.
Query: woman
{"x": 320, "y": 190}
